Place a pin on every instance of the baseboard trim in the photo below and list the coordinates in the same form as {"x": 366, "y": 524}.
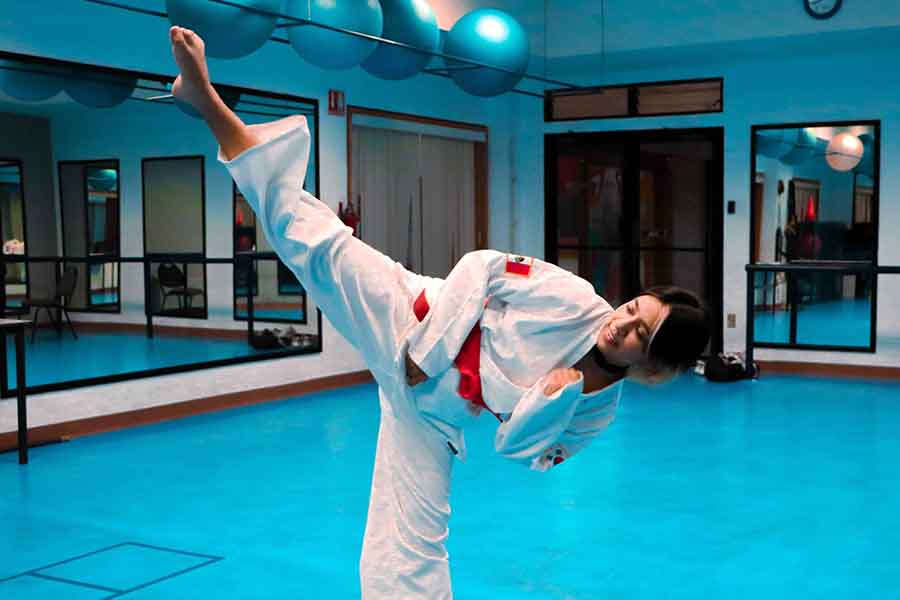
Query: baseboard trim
{"x": 141, "y": 329}
{"x": 828, "y": 370}
{"x": 48, "y": 434}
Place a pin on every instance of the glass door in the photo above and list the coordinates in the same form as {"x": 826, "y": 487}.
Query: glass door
{"x": 632, "y": 210}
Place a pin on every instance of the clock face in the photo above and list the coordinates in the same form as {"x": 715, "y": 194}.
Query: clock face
{"x": 822, "y": 9}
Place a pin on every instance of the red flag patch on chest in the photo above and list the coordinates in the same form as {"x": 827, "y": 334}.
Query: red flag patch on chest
{"x": 518, "y": 265}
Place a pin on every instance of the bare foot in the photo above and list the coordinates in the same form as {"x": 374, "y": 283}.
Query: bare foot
{"x": 193, "y": 85}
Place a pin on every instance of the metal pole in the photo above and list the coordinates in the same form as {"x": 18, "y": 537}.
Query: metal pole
{"x": 21, "y": 404}
{"x": 251, "y": 272}
{"x": 748, "y": 348}
{"x": 148, "y": 306}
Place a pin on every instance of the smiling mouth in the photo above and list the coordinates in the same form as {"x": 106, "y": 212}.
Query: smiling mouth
{"x": 609, "y": 335}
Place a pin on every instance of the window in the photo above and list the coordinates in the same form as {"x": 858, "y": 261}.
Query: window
{"x": 635, "y": 100}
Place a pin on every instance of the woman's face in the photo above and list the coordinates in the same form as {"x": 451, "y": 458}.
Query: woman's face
{"x": 625, "y": 338}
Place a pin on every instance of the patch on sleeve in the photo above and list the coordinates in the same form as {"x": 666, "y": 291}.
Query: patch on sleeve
{"x": 555, "y": 455}
{"x": 518, "y": 265}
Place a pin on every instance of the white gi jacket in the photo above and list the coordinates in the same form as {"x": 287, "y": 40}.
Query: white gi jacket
{"x": 534, "y": 316}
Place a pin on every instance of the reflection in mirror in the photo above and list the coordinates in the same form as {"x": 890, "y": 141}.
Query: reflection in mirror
{"x": 863, "y": 199}
{"x": 815, "y": 201}
{"x": 591, "y": 195}
{"x": 175, "y": 227}
{"x": 771, "y": 314}
{"x": 277, "y": 295}
{"x": 131, "y": 286}
{"x": 593, "y": 265}
{"x": 822, "y": 309}
{"x": 89, "y": 202}
{"x": 814, "y": 192}
{"x": 834, "y": 309}
{"x": 102, "y": 184}
{"x": 12, "y": 224}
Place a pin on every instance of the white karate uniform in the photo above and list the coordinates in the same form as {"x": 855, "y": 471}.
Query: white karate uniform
{"x": 534, "y": 317}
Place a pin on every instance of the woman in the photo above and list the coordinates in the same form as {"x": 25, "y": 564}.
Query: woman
{"x": 522, "y": 338}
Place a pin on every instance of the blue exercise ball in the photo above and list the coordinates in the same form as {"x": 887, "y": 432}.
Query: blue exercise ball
{"x": 229, "y": 96}
{"x": 100, "y": 90}
{"x": 228, "y": 31}
{"x": 30, "y": 83}
{"x": 805, "y": 145}
{"x": 491, "y": 37}
{"x": 410, "y": 22}
{"x": 332, "y": 49}
{"x": 774, "y": 143}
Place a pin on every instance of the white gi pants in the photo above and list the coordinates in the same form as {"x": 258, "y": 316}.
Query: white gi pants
{"x": 404, "y": 554}
{"x": 369, "y": 299}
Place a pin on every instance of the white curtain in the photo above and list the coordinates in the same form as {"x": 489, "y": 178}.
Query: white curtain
{"x": 448, "y": 176}
{"x": 416, "y": 195}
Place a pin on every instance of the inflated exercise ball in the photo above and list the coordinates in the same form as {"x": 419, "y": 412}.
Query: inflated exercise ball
{"x": 332, "y": 49}
{"x": 227, "y": 31}
{"x": 488, "y": 36}
{"x": 804, "y": 146}
{"x": 410, "y": 22}
{"x": 29, "y": 83}
{"x": 774, "y": 143}
{"x": 100, "y": 90}
{"x": 229, "y": 96}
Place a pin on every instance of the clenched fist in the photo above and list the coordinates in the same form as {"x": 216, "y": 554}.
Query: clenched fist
{"x": 560, "y": 378}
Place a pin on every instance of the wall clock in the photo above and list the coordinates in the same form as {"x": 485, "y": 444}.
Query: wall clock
{"x": 822, "y": 9}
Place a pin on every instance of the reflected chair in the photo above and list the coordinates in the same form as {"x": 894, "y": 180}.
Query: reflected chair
{"x": 173, "y": 282}
{"x": 58, "y": 301}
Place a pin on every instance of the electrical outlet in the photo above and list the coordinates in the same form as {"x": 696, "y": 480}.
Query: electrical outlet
{"x": 732, "y": 320}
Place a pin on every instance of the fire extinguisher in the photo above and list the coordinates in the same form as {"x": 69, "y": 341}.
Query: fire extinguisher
{"x": 350, "y": 215}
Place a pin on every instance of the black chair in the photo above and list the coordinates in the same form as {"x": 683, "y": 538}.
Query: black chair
{"x": 173, "y": 282}
{"x": 61, "y": 298}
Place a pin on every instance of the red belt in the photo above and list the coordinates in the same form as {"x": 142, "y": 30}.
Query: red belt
{"x": 468, "y": 361}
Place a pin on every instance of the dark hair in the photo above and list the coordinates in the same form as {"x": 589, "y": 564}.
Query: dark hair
{"x": 684, "y": 334}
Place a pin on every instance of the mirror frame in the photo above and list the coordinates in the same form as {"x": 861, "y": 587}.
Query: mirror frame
{"x": 7, "y": 310}
{"x": 275, "y": 99}
{"x": 875, "y": 124}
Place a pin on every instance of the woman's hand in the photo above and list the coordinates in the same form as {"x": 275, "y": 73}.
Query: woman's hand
{"x": 560, "y": 378}
{"x": 414, "y": 375}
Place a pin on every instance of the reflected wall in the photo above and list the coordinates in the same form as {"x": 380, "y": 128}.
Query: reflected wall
{"x": 102, "y": 173}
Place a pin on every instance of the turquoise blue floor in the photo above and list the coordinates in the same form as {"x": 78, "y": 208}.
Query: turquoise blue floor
{"x": 777, "y": 489}
{"x": 52, "y": 358}
{"x": 839, "y": 323}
